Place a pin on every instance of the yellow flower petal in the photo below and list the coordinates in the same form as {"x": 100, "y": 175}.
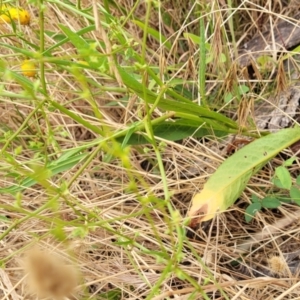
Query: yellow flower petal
{"x": 16, "y": 14}
{"x": 28, "y": 68}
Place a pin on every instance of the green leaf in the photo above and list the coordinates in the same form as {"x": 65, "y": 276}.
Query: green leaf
{"x": 277, "y": 183}
{"x": 22, "y": 80}
{"x": 228, "y": 97}
{"x": 227, "y": 183}
{"x": 284, "y": 176}
{"x": 80, "y": 232}
{"x": 194, "y": 38}
{"x": 26, "y": 53}
{"x": 270, "y": 202}
{"x": 263, "y": 60}
{"x": 243, "y": 89}
{"x": 55, "y": 167}
{"x": 55, "y": 36}
{"x": 298, "y": 180}
{"x": 295, "y": 195}
{"x": 255, "y": 199}
{"x": 80, "y": 32}
{"x": 115, "y": 294}
{"x": 173, "y": 131}
{"x": 289, "y": 162}
{"x": 251, "y": 210}
{"x": 59, "y": 233}
{"x": 4, "y": 219}
{"x": 223, "y": 58}
{"x": 181, "y": 106}
{"x": 154, "y": 33}
{"x": 86, "y": 51}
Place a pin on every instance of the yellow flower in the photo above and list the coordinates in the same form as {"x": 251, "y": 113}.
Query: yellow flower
{"x": 28, "y": 68}
{"x": 16, "y": 14}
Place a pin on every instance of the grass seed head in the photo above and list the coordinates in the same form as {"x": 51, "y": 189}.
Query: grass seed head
{"x": 277, "y": 265}
{"x": 48, "y": 276}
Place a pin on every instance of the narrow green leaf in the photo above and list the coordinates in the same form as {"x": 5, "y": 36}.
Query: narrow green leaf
{"x": 173, "y": 131}
{"x": 298, "y": 180}
{"x": 170, "y": 104}
{"x": 85, "y": 50}
{"x": 23, "y": 51}
{"x": 53, "y": 168}
{"x": 194, "y": 38}
{"x": 23, "y": 81}
{"x": 202, "y": 64}
{"x": 154, "y": 33}
{"x": 80, "y": 32}
{"x": 128, "y": 137}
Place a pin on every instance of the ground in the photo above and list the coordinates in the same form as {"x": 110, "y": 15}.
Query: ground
{"x": 121, "y": 113}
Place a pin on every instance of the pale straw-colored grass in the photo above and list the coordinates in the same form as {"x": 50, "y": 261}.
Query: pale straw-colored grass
{"x": 112, "y": 224}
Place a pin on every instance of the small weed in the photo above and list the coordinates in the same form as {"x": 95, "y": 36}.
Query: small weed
{"x": 282, "y": 180}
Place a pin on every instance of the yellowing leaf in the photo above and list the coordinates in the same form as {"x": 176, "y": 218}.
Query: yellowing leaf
{"x": 228, "y": 182}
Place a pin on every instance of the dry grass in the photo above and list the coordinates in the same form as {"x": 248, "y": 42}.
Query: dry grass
{"x": 112, "y": 223}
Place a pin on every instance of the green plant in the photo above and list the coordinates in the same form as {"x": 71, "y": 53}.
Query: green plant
{"x": 288, "y": 192}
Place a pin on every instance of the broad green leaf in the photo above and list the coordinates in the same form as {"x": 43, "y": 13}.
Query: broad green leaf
{"x": 255, "y": 199}
{"x": 228, "y": 182}
{"x": 228, "y": 97}
{"x": 277, "y": 183}
{"x": 243, "y": 89}
{"x": 270, "y": 202}
{"x": 298, "y": 180}
{"x": 289, "y": 162}
{"x": 284, "y": 176}
{"x": 251, "y": 210}
{"x": 295, "y": 195}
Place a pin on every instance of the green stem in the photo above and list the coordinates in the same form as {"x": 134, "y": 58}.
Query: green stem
{"x": 42, "y": 45}
{"x": 11, "y": 138}
{"x": 140, "y": 126}
{"x": 202, "y": 63}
